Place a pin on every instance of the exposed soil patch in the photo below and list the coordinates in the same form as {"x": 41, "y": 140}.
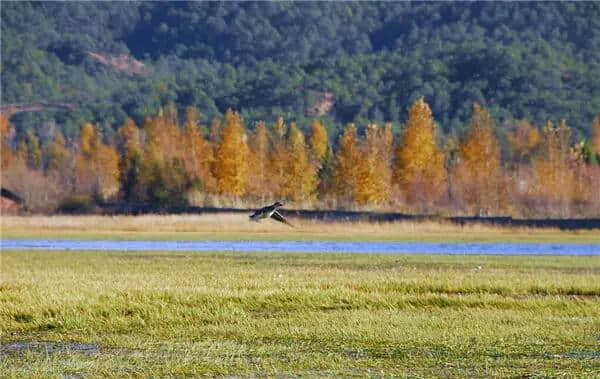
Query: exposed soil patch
{"x": 122, "y": 63}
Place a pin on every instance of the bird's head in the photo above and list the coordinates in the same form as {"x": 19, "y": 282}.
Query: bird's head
{"x": 278, "y": 204}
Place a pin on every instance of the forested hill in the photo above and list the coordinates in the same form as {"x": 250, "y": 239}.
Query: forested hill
{"x": 369, "y": 60}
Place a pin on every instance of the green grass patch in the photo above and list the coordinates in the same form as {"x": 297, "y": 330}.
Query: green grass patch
{"x": 263, "y": 314}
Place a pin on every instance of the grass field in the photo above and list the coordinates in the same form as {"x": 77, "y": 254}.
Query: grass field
{"x": 237, "y": 227}
{"x": 69, "y": 313}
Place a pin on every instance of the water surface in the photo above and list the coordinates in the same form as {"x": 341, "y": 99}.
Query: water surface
{"x": 500, "y": 248}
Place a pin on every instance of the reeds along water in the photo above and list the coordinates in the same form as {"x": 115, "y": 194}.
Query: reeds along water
{"x": 238, "y": 222}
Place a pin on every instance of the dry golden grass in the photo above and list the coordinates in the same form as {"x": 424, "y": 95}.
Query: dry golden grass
{"x": 237, "y": 226}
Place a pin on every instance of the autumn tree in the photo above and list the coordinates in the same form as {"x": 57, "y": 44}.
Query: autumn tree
{"x": 130, "y": 149}
{"x": 301, "y": 179}
{"x": 596, "y": 137}
{"x": 5, "y": 135}
{"x": 554, "y": 185}
{"x": 87, "y": 137}
{"x": 215, "y": 130}
{"x": 57, "y": 153}
{"x": 60, "y": 164}
{"x": 523, "y": 139}
{"x": 477, "y": 179}
{"x": 419, "y": 169}
{"x": 163, "y": 180}
{"x": 34, "y": 151}
{"x": 373, "y": 171}
{"x": 96, "y": 165}
{"x": 260, "y": 150}
{"x": 106, "y": 165}
{"x": 278, "y": 161}
{"x": 232, "y": 153}
{"x": 319, "y": 142}
{"x": 348, "y": 158}
{"x": 163, "y": 135}
{"x": 198, "y": 154}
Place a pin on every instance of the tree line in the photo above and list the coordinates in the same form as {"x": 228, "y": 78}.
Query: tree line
{"x": 167, "y": 163}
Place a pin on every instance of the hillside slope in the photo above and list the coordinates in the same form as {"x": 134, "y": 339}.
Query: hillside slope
{"x": 522, "y": 60}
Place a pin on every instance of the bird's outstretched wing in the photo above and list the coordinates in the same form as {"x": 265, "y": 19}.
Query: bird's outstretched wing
{"x": 277, "y": 216}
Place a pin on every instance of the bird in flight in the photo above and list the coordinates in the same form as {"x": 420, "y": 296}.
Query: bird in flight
{"x": 270, "y": 211}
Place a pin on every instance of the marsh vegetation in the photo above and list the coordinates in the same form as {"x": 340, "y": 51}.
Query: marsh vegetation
{"x": 237, "y": 227}
{"x": 213, "y": 313}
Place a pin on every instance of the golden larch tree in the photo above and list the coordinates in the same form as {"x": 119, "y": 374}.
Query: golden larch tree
{"x": 319, "y": 142}
{"x": 215, "y": 130}
{"x": 260, "y": 150}
{"x": 96, "y": 165}
{"x": 477, "y": 178}
{"x": 129, "y": 144}
{"x": 57, "y": 153}
{"x": 347, "y": 161}
{"x": 596, "y": 135}
{"x": 87, "y": 139}
{"x": 60, "y": 163}
{"x": 5, "y": 134}
{"x": 34, "y": 151}
{"x": 105, "y": 163}
{"x": 523, "y": 140}
{"x": 419, "y": 169}
{"x": 232, "y": 157}
{"x": 554, "y": 177}
{"x": 129, "y": 138}
{"x": 198, "y": 154}
{"x": 302, "y": 173}
{"x": 164, "y": 136}
{"x": 374, "y": 170}
{"x": 279, "y": 159}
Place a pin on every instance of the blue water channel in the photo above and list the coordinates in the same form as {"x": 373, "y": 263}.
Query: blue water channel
{"x": 496, "y": 248}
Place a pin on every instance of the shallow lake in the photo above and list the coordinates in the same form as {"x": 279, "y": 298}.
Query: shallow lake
{"x": 499, "y": 248}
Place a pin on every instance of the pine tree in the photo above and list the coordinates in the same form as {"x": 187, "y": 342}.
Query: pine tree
{"x": 231, "y": 166}
{"x": 420, "y": 170}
